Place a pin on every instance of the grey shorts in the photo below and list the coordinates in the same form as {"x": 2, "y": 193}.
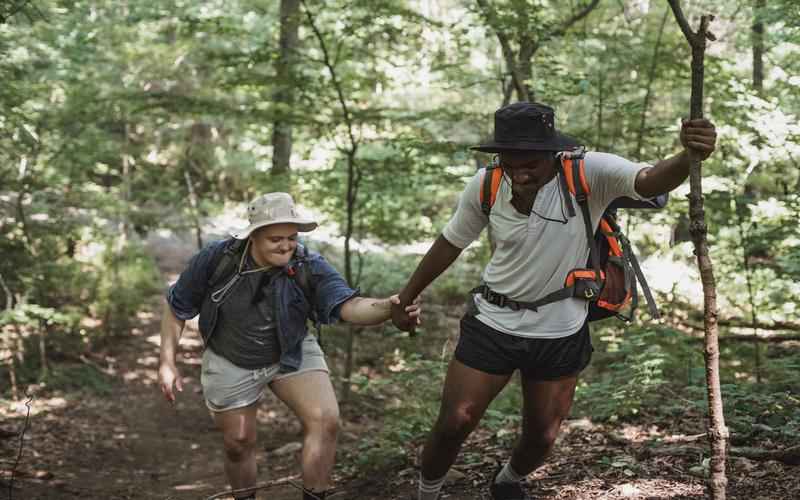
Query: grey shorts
{"x": 228, "y": 387}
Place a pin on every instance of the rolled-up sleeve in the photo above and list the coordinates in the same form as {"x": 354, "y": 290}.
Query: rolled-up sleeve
{"x": 186, "y": 295}
{"x": 468, "y": 221}
{"x": 611, "y": 176}
{"x": 330, "y": 290}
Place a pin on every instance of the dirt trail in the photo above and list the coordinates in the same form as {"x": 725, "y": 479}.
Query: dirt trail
{"x": 131, "y": 445}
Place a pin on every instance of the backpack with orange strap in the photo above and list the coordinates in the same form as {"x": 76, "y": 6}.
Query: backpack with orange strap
{"x": 609, "y": 280}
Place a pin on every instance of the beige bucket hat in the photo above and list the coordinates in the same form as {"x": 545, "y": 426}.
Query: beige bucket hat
{"x": 274, "y": 208}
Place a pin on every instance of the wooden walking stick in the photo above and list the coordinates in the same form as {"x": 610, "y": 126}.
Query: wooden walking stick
{"x": 717, "y": 432}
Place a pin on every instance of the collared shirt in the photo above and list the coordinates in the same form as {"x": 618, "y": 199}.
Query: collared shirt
{"x": 533, "y": 255}
{"x": 191, "y": 295}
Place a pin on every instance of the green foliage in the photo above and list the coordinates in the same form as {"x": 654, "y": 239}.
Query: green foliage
{"x": 129, "y": 280}
{"x": 633, "y": 371}
{"x": 630, "y": 373}
{"x": 79, "y": 378}
{"x": 412, "y": 394}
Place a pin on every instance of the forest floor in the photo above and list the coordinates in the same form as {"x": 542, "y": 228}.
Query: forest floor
{"x": 129, "y": 443}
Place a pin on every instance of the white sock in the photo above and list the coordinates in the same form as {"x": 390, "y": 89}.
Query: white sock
{"x": 508, "y": 475}
{"x": 429, "y": 489}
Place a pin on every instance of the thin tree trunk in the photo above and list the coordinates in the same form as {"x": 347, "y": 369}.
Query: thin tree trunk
{"x": 353, "y": 181}
{"x": 124, "y": 224}
{"x": 349, "y": 361}
{"x": 284, "y": 95}
{"x": 22, "y": 218}
{"x": 758, "y": 46}
{"x": 9, "y": 342}
{"x": 717, "y": 431}
{"x": 650, "y": 78}
{"x": 600, "y": 106}
{"x": 758, "y": 86}
{"x": 748, "y": 276}
{"x": 520, "y": 64}
{"x": 193, "y": 203}
{"x": 44, "y": 369}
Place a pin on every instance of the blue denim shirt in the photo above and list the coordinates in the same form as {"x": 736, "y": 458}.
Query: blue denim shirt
{"x": 191, "y": 295}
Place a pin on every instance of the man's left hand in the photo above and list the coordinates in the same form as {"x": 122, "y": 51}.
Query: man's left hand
{"x": 699, "y": 137}
{"x": 406, "y": 318}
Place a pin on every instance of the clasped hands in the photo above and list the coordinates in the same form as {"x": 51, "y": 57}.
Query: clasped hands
{"x": 406, "y": 317}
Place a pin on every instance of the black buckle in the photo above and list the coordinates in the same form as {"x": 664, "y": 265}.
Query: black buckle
{"x": 494, "y": 298}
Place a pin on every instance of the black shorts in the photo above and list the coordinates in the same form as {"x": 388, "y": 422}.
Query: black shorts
{"x": 483, "y": 348}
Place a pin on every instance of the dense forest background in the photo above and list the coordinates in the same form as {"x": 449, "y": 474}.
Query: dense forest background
{"x": 131, "y": 133}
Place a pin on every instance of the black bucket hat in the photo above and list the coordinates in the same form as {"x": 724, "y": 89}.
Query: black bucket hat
{"x": 526, "y": 126}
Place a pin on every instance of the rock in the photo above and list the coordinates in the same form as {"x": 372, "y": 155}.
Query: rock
{"x": 288, "y": 449}
{"x": 454, "y": 475}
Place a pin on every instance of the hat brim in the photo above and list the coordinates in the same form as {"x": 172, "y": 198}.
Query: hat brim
{"x": 560, "y": 142}
{"x": 303, "y": 226}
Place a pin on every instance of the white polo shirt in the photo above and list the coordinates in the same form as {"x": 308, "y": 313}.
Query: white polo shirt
{"x": 533, "y": 255}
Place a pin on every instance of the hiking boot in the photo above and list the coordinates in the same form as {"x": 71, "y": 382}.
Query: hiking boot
{"x": 506, "y": 491}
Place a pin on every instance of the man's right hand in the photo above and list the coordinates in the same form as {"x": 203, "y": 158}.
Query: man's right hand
{"x": 168, "y": 376}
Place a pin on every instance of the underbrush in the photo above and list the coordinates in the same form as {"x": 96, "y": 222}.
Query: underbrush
{"x": 649, "y": 374}
{"x": 657, "y": 374}
{"x": 97, "y": 301}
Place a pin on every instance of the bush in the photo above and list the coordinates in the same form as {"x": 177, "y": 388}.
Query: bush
{"x": 128, "y": 279}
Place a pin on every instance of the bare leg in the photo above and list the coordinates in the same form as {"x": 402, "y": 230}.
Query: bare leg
{"x": 239, "y": 438}
{"x": 466, "y": 395}
{"x": 310, "y": 396}
{"x": 546, "y": 405}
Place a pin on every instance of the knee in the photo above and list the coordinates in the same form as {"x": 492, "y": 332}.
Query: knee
{"x": 239, "y": 446}
{"x": 323, "y": 422}
{"x": 456, "y": 423}
{"x": 543, "y": 437}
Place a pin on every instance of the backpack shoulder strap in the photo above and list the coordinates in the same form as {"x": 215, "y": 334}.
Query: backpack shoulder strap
{"x": 226, "y": 261}
{"x": 490, "y": 185}
{"x": 573, "y": 172}
{"x": 302, "y": 275}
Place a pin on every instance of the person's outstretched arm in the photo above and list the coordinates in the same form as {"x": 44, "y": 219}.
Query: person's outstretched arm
{"x": 438, "y": 258}
{"x": 368, "y": 311}
{"x": 168, "y": 375}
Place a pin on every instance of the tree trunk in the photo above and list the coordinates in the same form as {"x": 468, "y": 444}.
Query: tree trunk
{"x": 44, "y": 369}
{"x": 717, "y": 432}
{"x": 758, "y": 46}
{"x": 520, "y": 64}
{"x": 748, "y": 276}
{"x": 758, "y": 86}
{"x": 8, "y": 342}
{"x": 124, "y": 223}
{"x": 353, "y": 181}
{"x": 650, "y": 78}
{"x": 193, "y": 203}
{"x": 348, "y": 363}
{"x": 284, "y": 95}
{"x": 600, "y": 106}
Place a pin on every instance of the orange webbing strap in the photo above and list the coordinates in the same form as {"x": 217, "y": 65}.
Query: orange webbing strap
{"x": 586, "y": 274}
{"x": 490, "y": 184}
{"x": 568, "y": 164}
{"x": 611, "y": 237}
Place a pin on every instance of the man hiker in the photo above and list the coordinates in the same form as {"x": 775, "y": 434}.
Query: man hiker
{"x": 537, "y": 245}
{"x": 255, "y": 293}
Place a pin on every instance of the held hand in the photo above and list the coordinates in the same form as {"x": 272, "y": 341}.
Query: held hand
{"x": 699, "y": 137}
{"x": 406, "y": 318}
{"x": 168, "y": 376}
